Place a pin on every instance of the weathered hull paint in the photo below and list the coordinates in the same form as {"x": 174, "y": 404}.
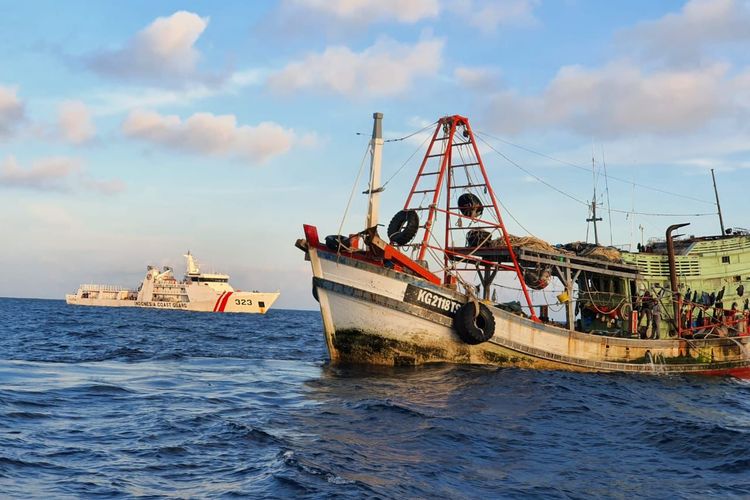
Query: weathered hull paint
{"x": 367, "y": 319}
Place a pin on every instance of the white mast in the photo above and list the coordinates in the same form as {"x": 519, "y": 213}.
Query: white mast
{"x": 376, "y": 147}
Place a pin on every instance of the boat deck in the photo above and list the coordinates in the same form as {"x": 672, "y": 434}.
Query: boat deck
{"x": 534, "y": 257}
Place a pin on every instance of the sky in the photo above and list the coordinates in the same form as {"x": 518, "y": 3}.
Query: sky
{"x": 132, "y": 132}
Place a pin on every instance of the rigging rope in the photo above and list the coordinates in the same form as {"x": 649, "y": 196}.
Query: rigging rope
{"x": 579, "y": 167}
{"x": 568, "y": 195}
{"x": 609, "y": 206}
{"x": 419, "y": 148}
{"x": 354, "y": 187}
{"x": 413, "y": 133}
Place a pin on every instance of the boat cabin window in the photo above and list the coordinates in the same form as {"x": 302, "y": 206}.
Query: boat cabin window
{"x": 725, "y": 259}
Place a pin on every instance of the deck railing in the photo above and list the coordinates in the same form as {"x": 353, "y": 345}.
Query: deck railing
{"x": 102, "y": 288}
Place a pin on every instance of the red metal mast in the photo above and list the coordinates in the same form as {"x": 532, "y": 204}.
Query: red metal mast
{"x": 469, "y": 162}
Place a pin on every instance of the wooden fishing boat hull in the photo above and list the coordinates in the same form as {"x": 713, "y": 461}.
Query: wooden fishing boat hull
{"x": 376, "y": 315}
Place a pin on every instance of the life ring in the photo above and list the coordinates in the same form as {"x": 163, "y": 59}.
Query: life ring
{"x": 470, "y": 205}
{"x": 403, "y": 227}
{"x": 474, "y": 324}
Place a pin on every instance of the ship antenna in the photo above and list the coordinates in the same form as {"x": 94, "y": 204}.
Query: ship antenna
{"x": 609, "y": 207}
{"x": 594, "y": 218}
{"x": 718, "y": 205}
{"x": 376, "y": 145}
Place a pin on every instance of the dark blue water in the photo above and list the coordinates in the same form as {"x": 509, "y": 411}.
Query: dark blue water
{"x": 143, "y": 403}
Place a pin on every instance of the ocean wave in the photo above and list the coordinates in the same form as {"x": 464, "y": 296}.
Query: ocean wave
{"x": 140, "y": 403}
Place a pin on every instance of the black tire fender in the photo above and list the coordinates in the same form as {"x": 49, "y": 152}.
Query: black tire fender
{"x": 470, "y": 205}
{"x": 403, "y": 227}
{"x": 477, "y": 237}
{"x": 474, "y": 323}
{"x": 337, "y": 242}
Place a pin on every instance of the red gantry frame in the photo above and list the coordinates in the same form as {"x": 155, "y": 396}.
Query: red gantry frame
{"x": 459, "y": 160}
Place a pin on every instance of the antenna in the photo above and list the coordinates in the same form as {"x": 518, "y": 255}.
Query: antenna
{"x": 593, "y": 202}
{"x": 718, "y": 206}
{"x": 609, "y": 207}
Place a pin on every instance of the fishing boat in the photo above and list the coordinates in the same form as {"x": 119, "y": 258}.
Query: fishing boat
{"x": 422, "y": 293}
{"x": 198, "y": 291}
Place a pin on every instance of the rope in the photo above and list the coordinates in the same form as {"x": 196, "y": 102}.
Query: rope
{"x": 609, "y": 206}
{"x": 535, "y": 176}
{"x": 579, "y": 167}
{"x": 568, "y": 195}
{"x": 413, "y": 133}
{"x": 514, "y": 219}
{"x": 419, "y": 148}
{"x": 354, "y": 187}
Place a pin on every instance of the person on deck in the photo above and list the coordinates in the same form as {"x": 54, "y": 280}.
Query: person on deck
{"x": 646, "y": 308}
{"x": 655, "y": 319}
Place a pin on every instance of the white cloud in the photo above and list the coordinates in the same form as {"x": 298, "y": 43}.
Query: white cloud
{"x": 368, "y": 11}
{"x": 53, "y": 216}
{"x": 112, "y": 186}
{"x": 486, "y": 15}
{"x": 11, "y": 110}
{"x": 53, "y": 174}
{"x": 74, "y": 122}
{"x": 47, "y": 174}
{"x": 209, "y": 134}
{"x": 478, "y": 78}
{"x": 386, "y": 68}
{"x": 163, "y": 51}
{"x": 112, "y": 102}
{"x": 619, "y": 99}
{"x": 489, "y": 15}
{"x": 681, "y": 38}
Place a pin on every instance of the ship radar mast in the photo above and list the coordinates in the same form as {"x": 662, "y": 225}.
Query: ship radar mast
{"x": 718, "y": 205}
{"x": 593, "y": 217}
{"x": 192, "y": 265}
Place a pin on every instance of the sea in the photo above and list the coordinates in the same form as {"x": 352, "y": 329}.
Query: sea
{"x": 139, "y": 403}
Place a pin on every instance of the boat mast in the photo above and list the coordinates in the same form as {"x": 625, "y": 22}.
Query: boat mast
{"x": 718, "y": 206}
{"x": 593, "y": 218}
{"x": 673, "y": 283}
{"x": 467, "y": 163}
{"x": 376, "y": 148}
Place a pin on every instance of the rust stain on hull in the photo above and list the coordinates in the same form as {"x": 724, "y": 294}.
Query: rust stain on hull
{"x": 355, "y": 346}
{"x": 359, "y": 347}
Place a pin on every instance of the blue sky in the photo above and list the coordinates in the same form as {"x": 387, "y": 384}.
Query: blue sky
{"x": 131, "y": 132}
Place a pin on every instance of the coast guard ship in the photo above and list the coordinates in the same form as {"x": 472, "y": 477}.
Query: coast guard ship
{"x": 198, "y": 291}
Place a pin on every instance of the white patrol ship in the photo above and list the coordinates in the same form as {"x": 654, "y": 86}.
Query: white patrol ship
{"x": 198, "y": 291}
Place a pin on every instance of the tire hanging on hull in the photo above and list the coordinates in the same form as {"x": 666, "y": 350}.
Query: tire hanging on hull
{"x": 474, "y": 323}
{"x": 403, "y": 227}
